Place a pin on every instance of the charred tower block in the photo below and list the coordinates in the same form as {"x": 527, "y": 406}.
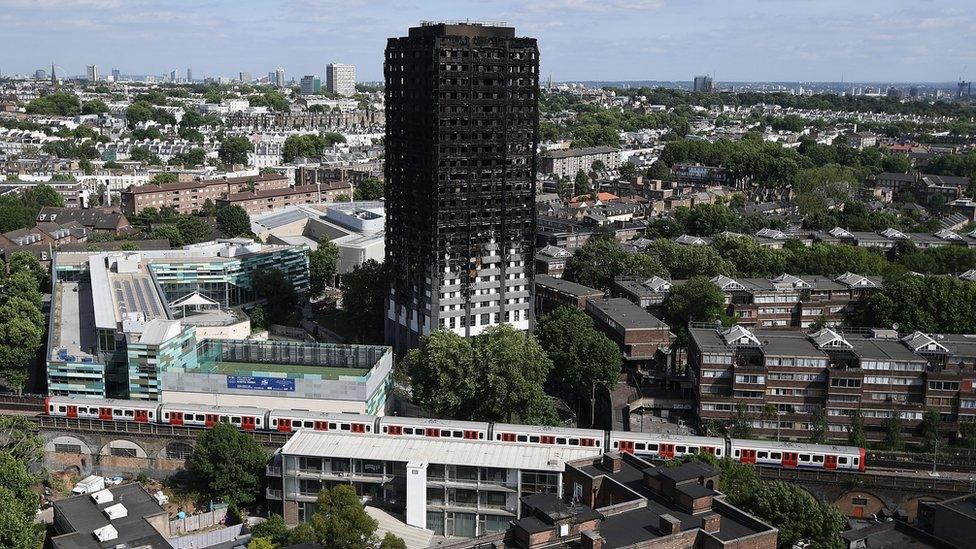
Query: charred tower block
{"x": 461, "y": 133}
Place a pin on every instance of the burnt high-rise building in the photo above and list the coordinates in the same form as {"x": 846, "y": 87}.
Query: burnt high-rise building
{"x": 461, "y": 119}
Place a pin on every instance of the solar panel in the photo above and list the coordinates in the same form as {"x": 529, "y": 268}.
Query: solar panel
{"x": 142, "y": 299}
{"x": 150, "y": 295}
{"x": 128, "y": 295}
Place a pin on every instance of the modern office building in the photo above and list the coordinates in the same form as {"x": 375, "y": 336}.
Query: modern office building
{"x": 310, "y": 84}
{"x": 92, "y": 73}
{"x": 118, "y": 318}
{"x": 457, "y": 488}
{"x": 116, "y": 75}
{"x": 461, "y": 119}
{"x": 279, "y": 77}
{"x": 704, "y": 84}
{"x": 189, "y": 74}
{"x": 785, "y": 379}
{"x": 244, "y": 77}
{"x": 340, "y": 79}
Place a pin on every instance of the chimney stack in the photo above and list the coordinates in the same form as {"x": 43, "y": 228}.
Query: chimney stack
{"x": 669, "y": 525}
{"x": 711, "y": 523}
{"x": 591, "y": 540}
{"x": 612, "y": 461}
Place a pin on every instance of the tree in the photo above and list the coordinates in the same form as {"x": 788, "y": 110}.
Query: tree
{"x": 138, "y": 112}
{"x": 598, "y": 166}
{"x": 390, "y": 541}
{"x": 22, "y": 284}
{"x": 18, "y": 438}
{"x": 362, "y": 299}
{"x": 302, "y": 146}
{"x": 497, "y": 375}
{"x": 741, "y": 426}
{"x": 140, "y": 154}
{"x": 234, "y": 150}
{"x": 930, "y": 430}
{"x": 281, "y": 298}
{"x": 697, "y": 300}
{"x": 18, "y": 504}
{"x": 273, "y": 529}
{"x": 209, "y": 208}
{"x": 601, "y": 259}
{"x": 855, "y": 433}
{"x": 370, "y": 189}
{"x": 582, "y": 184}
{"x": 55, "y": 104}
{"x": 18, "y": 307}
{"x": 584, "y": 357}
{"x": 340, "y": 521}
{"x": 818, "y": 425}
{"x": 323, "y": 264}
{"x": 27, "y": 262}
{"x": 95, "y": 106}
{"x": 45, "y": 195}
{"x": 229, "y": 464}
{"x": 303, "y": 533}
{"x": 193, "y": 229}
{"x": 233, "y": 221}
{"x": 260, "y": 543}
{"x": 170, "y": 233}
{"x": 892, "y": 427}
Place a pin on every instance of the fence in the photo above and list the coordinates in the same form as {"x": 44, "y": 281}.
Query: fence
{"x": 192, "y": 523}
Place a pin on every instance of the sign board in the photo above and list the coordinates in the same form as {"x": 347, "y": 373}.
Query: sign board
{"x": 253, "y": 383}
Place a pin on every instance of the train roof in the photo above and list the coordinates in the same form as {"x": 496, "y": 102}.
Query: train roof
{"x": 549, "y": 430}
{"x": 171, "y": 407}
{"x": 107, "y": 402}
{"x": 310, "y": 414}
{"x": 667, "y": 437}
{"x": 800, "y": 446}
{"x": 433, "y": 422}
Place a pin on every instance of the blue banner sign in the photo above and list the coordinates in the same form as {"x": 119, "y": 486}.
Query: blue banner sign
{"x": 260, "y": 383}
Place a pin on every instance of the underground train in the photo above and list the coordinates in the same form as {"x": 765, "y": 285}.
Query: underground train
{"x": 656, "y": 446}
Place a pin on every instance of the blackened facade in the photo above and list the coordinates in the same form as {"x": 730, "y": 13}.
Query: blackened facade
{"x": 461, "y": 113}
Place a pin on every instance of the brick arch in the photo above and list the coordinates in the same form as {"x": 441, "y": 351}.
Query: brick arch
{"x": 860, "y": 503}
{"x": 176, "y": 448}
{"x": 67, "y": 440}
{"x": 124, "y": 444}
{"x": 910, "y": 506}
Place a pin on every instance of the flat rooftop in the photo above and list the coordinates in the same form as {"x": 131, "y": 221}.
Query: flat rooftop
{"x": 446, "y": 452}
{"x": 81, "y": 515}
{"x": 74, "y": 321}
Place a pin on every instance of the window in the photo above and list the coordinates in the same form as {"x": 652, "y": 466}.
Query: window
{"x": 67, "y": 448}
{"x": 857, "y": 500}
{"x": 124, "y": 452}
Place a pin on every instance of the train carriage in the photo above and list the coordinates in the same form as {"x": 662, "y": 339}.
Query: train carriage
{"x": 103, "y": 409}
{"x": 790, "y": 455}
{"x": 246, "y": 418}
{"x": 665, "y": 446}
{"x": 286, "y": 421}
{"x": 433, "y": 428}
{"x": 552, "y": 436}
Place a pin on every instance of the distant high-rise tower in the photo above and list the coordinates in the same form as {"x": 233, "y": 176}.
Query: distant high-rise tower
{"x": 173, "y": 76}
{"x": 340, "y": 79}
{"x": 189, "y": 74}
{"x": 92, "y": 73}
{"x": 279, "y": 77}
{"x": 964, "y": 89}
{"x": 245, "y": 77}
{"x": 116, "y": 75}
{"x": 461, "y": 118}
{"x": 703, "y": 84}
{"x": 40, "y": 74}
{"x": 311, "y": 84}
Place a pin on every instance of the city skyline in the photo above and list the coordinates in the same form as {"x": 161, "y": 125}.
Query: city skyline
{"x": 579, "y": 39}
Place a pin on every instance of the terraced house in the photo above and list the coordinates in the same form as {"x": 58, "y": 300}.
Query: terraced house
{"x": 783, "y": 380}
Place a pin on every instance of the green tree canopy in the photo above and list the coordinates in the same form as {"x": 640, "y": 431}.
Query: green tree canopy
{"x": 583, "y": 356}
{"x": 18, "y": 503}
{"x": 597, "y": 262}
{"x": 340, "y": 521}
{"x": 362, "y": 299}
{"x": 55, "y": 104}
{"x": 698, "y": 299}
{"x": 229, "y": 464}
{"x": 282, "y": 300}
{"x": 233, "y": 221}
{"x": 234, "y": 150}
{"x": 370, "y": 189}
{"x": 497, "y": 375}
{"x": 323, "y": 264}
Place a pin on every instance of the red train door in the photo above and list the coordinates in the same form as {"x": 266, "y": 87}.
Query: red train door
{"x": 433, "y": 432}
{"x": 471, "y": 435}
{"x": 547, "y": 439}
{"x": 830, "y": 462}
{"x": 142, "y": 416}
{"x": 284, "y": 425}
{"x": 210, "y": 420}
{"x": 248, "y": 423}
{"x": 666, "y": 451}
{"x": 747, "y": 456}
{"x": 789, "y": 459}
{"x": 72, "y": 411}
{"x": 626, "y": 446}
{"x": 321, "y": 425}
{"x": 708, "y": 450}
{"x": 105, "y": 413}
{"x": 508, "y": 437}
{"x": 358, "y": 428}
{"x": 176, "y": 418}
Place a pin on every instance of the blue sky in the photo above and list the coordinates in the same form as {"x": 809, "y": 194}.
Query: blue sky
{"x": 796, "y": 40}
